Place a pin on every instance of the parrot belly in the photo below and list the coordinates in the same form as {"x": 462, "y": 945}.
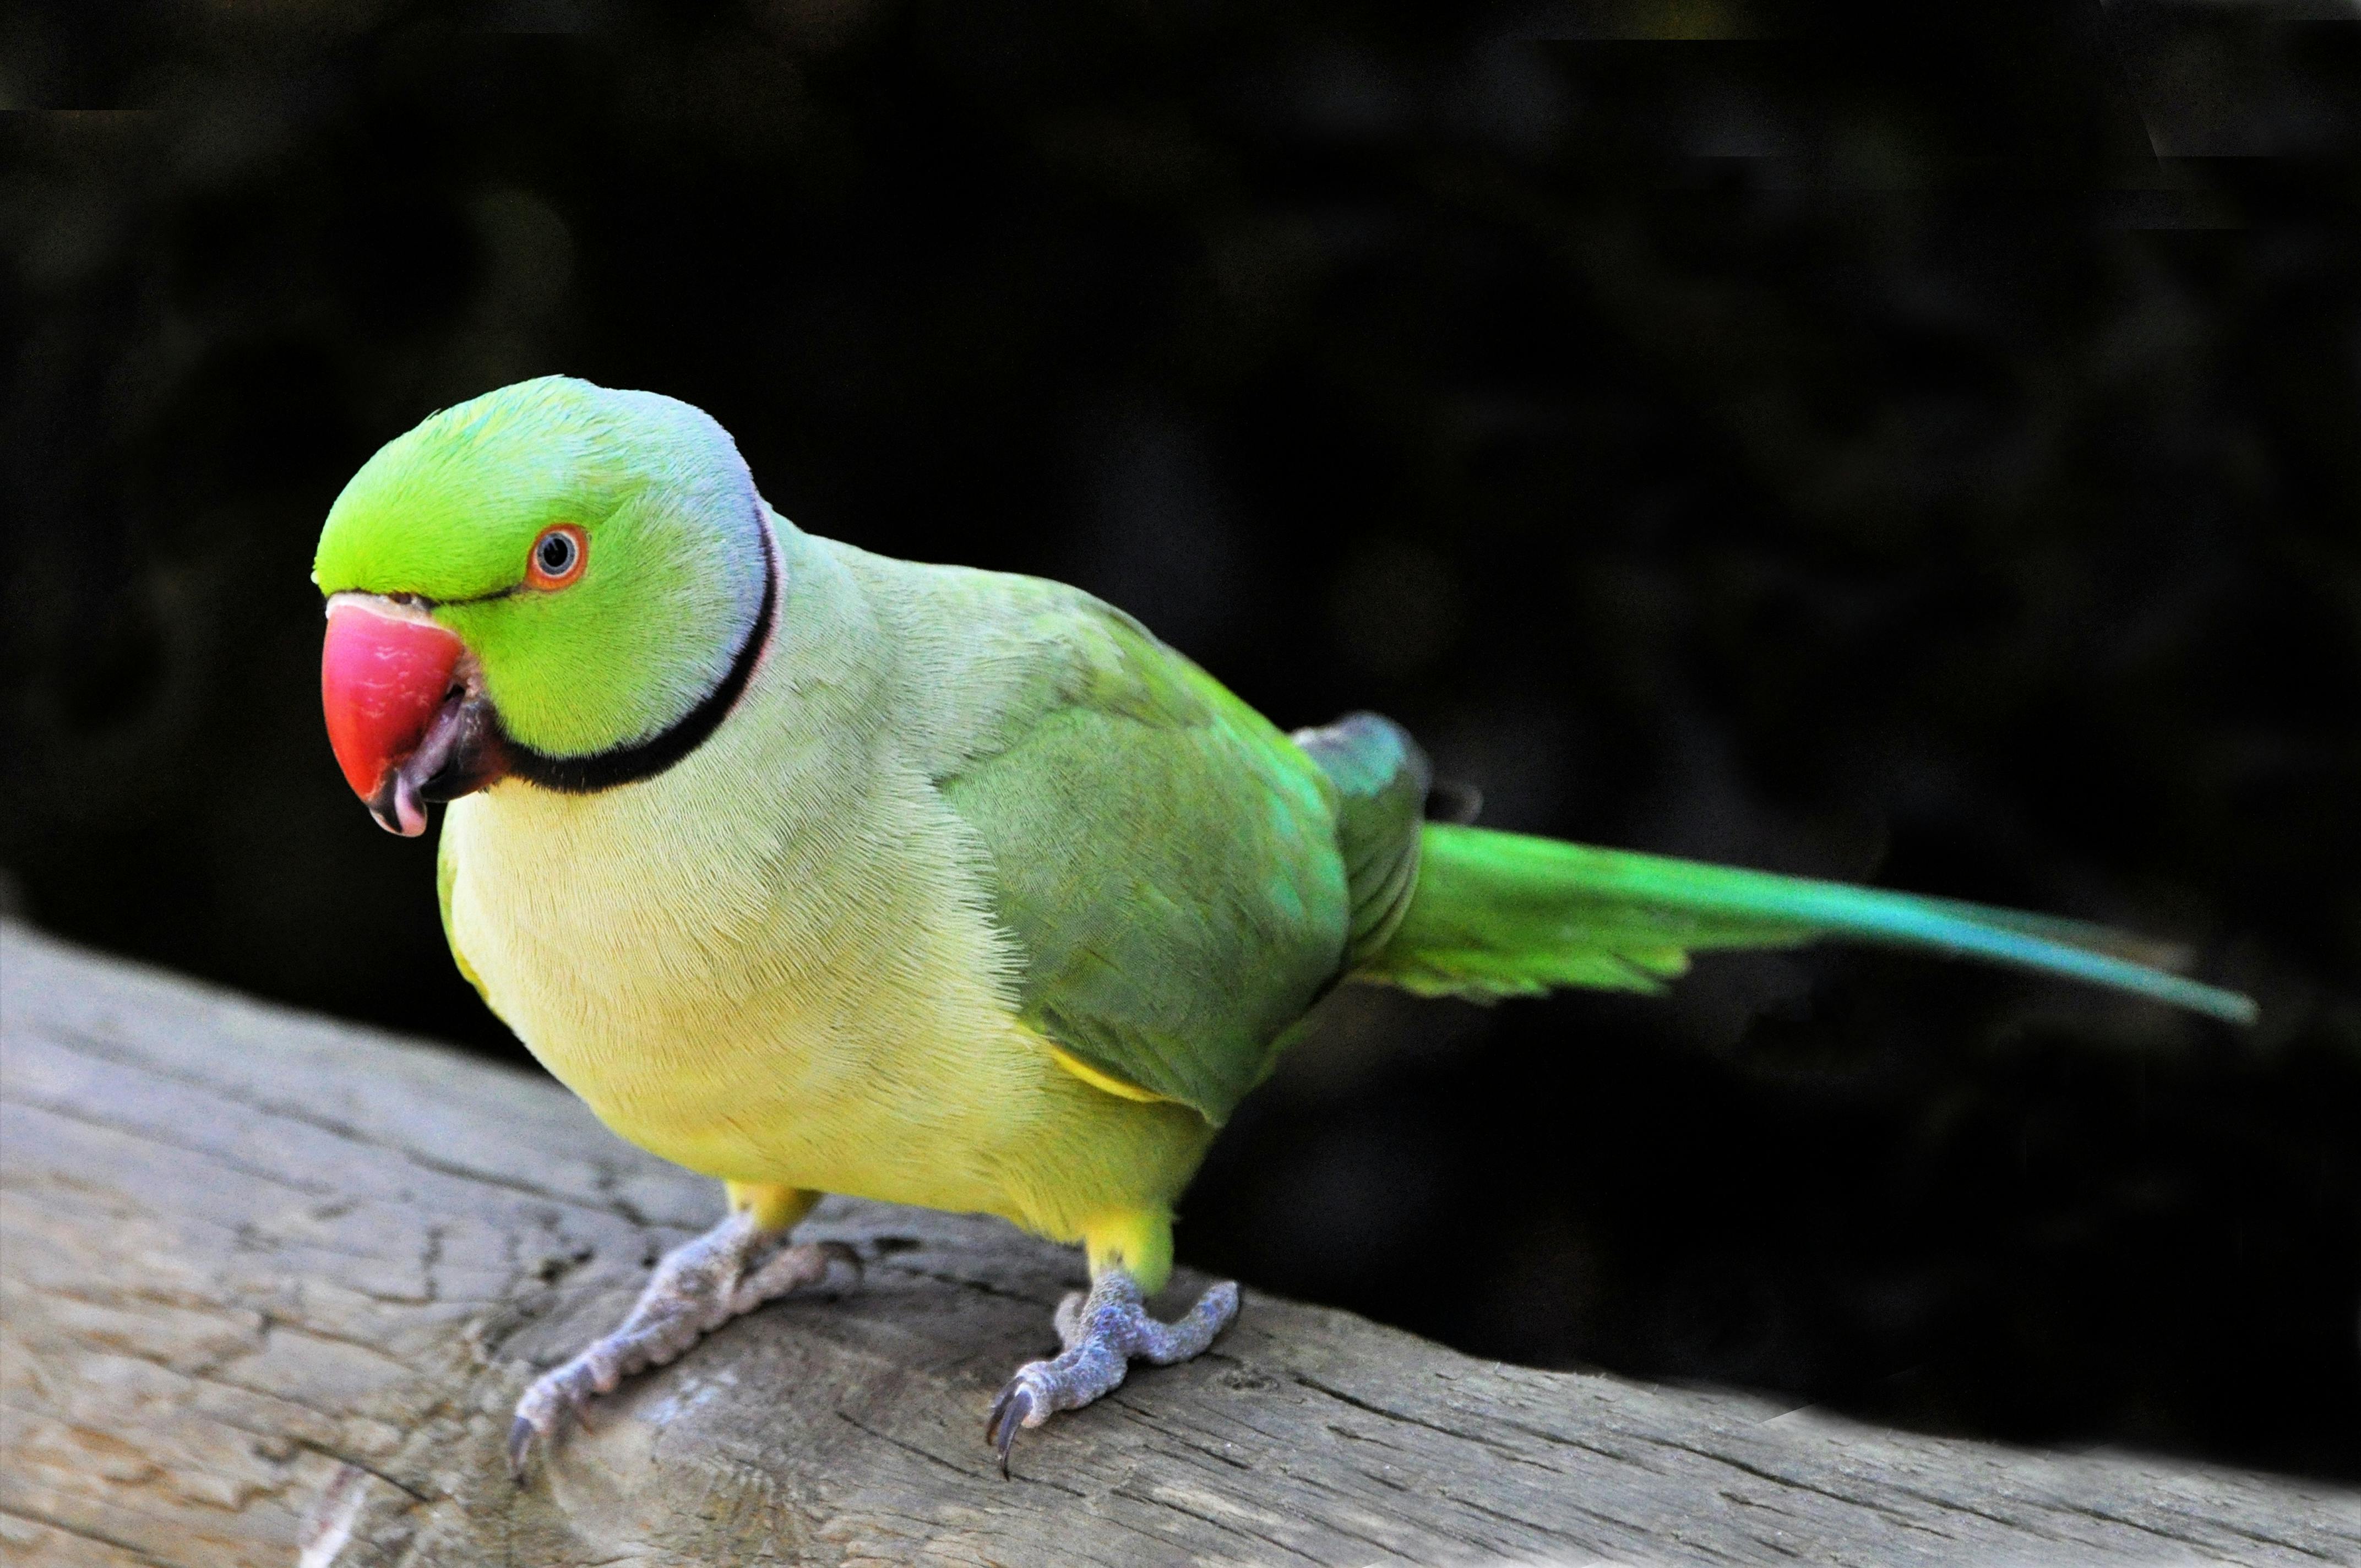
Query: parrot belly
{"x": 764, "y": 992}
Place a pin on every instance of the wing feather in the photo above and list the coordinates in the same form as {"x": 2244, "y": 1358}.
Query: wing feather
{"x": 1166, "y": 859}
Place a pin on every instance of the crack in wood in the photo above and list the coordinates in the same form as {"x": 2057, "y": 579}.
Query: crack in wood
{"x": 84, "y": 1532}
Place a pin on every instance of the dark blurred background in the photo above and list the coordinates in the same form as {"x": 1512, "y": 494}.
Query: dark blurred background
{"x": 1923, "y": 448}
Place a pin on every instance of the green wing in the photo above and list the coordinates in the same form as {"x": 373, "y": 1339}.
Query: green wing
{"x": 1166, "y": 861}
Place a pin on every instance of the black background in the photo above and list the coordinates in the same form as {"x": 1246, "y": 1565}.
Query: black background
{"x": 1834, "y": 443}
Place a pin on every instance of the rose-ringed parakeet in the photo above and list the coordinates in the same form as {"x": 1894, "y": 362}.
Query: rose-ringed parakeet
{"x": 817, "y": 871}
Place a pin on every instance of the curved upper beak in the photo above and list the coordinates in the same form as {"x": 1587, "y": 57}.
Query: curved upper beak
{"x": 404, "y": 716}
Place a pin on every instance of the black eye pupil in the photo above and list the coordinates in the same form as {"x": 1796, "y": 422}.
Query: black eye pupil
{"x": 556, "y": 553}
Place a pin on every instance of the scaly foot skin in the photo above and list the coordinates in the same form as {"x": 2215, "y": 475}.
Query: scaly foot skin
{"x": 696, "y": 1289}
{"x": 1103, "y": 1332}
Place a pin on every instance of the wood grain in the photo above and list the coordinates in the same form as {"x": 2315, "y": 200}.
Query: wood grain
{"x": 272, "y": 1284}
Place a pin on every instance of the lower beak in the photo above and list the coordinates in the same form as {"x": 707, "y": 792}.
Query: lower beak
{"x": 406, "y": 719}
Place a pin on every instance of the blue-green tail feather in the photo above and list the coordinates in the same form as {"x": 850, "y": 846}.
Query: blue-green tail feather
{"x": 1504, "y": 915}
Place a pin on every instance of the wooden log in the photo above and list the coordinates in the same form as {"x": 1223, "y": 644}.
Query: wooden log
{"x": 274, "y": 1282}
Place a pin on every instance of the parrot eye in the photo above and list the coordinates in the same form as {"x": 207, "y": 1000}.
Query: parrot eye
{"x": 558, "y": 556}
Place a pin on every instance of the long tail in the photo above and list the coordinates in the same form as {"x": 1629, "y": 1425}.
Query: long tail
{"x": 1506, "y": 914}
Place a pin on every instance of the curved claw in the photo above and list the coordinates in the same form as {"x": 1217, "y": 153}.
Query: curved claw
{"x": 521, "y": 1435}
{"x": 1009, "y": 1412}
{"x": 841, "y": 1252}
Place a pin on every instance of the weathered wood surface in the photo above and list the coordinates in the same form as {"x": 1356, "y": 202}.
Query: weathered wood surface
{"x": 273, "y": 1283}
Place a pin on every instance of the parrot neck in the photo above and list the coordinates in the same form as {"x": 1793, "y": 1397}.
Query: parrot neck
{"x": 597, "y": 771}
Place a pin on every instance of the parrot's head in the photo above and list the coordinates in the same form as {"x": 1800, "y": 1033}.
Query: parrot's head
{"x": 555, "y": 581}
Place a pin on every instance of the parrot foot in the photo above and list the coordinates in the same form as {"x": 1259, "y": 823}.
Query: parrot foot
{"x": 1103, "y": 1334}
{"x": 696, "y": 1289}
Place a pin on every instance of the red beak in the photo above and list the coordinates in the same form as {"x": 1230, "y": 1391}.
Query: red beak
{"x": 383, "y": 679}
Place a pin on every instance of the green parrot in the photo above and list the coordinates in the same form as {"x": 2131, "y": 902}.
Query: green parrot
{"x": 817, "y": 871}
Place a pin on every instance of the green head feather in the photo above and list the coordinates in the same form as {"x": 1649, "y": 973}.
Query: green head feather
{"x": 669, "y": 588}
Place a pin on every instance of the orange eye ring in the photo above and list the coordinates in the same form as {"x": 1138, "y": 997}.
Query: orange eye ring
{"x": 557, "y": 557}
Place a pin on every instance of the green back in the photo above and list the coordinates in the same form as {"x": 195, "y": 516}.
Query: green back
{"x": 1381, "y": 779}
